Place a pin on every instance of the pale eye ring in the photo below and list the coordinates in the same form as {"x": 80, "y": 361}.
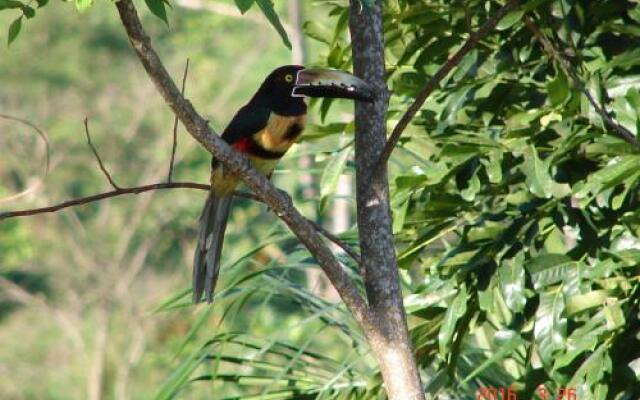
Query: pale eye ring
{"x": 288, "y": 78}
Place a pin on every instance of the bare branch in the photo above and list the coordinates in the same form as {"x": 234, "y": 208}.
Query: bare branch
{"x": 95, "y": 153}
{"x": 553, "y": 53}
{"x": 278, "y": 201}
{"x": 161, "y": 186}
{"x": 442, "y": 73}
{"x": 102, "y": 196}
{"x": 175, "y": 127}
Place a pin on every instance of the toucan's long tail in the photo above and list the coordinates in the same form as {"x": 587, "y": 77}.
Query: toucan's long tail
{"x": 206, "y": 263}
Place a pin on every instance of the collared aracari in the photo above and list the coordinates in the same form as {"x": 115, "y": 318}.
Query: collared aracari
{"x": 263, "y": 130}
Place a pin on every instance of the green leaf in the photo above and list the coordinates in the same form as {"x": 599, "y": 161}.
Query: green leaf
{"x": 267, "y": 9}
{"x": 172, "y": 301}
{"x": 83, "y": 5}
{"x": 455, "y": 311}
{"x": 317, "y": 31}
{"x": 341, "y": 26}
{"x": 469, "y": 193}
{"x": 509, "y": 20}
{"x": 635, "y": 367}
{"x": 5, "y": 4}
{"x": 581, "y": 302}
{"x": 28, "y": 12}
{"x": 180, "y": 376}
{"x": 537, "y": 172}
{"x": 200, "y": 321}
{"x": 325, "y": 105}
{"x": 613, "y": 174}
{"x": 426, "y": 236}
{"x": 614, "y": 317}
{"x": 42, "y": 3}
{"x": 334, "y": 60}
{"x": 548, "y": 269}
{"x": 593, "y": 368}
{"x": 244, "y": 5}
{"x": 550, "y": 328}
{"x": 511, "y": 274}
{"x": 625, "y": 60}
{"x": 399, "y": 207}
{"x": 493, "y": 166}
{"x": 14, "y": 30}
{"x": 558, "y": 89}
{"x": 157, "y": 7}
{"x": 507, "y": 342}
{"x": 331, "y": 175}
{"x": 485, "y": 90}
{"x": 584, "y": 339}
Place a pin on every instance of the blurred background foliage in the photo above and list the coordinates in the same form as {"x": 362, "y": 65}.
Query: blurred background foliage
{"x": 515, "y": 207}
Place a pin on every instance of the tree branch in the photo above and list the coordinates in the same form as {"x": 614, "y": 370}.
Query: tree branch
{"x": 95, "y": 153}
{"x": 101, "y": 196}
{"x": 434, "y": 82}
{"x": 278, "y": 201}
{"x": 389, "y": 339}
{"x": 553, "y": 53}
{"x": 175, "y": 127}
{"x": 161, "y": 186}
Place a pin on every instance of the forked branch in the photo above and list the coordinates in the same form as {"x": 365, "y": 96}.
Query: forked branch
{"x": 97, "y": 156}
{"x": 442, "y": 73}
{"x": 553, "y": 53}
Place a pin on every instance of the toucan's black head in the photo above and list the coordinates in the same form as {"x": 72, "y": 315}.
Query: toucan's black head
{"x": 286, "y": 87}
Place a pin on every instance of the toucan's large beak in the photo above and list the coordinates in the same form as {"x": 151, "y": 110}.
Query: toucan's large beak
{"x": 317, "y": 82}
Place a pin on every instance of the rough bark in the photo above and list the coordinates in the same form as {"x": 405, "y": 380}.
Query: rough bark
{"x": 390, "y": 341}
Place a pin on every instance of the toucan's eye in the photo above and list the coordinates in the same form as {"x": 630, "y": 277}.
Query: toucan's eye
{"x": 288, "y": 78}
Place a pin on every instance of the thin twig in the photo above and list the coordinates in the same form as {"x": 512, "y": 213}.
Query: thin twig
{"x": 160, "y": 186}
{"x": 434, "y": 82}
{"x": 101, "y": 196}
{"x": 617, "y": 129}
{"x": 175, "y": 127}
{"x": 95, "y": 153}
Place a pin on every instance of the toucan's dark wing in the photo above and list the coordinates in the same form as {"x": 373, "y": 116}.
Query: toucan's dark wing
{"x": 249, "y": 120}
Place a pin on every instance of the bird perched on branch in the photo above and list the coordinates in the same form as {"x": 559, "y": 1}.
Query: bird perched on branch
{"x": 263, "y": 130}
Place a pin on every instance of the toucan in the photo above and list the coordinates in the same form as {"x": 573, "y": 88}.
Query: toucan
{"x": 263, "y": 130}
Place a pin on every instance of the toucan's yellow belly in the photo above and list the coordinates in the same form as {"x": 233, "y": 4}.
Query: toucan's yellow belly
{"x": 281, "y": 132}
{"x": 277, "y": 137}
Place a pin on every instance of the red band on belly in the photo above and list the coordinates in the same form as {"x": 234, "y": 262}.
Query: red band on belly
{"x": 243, "y": 145}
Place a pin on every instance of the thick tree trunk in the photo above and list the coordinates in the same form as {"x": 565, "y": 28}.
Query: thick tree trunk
{"x": 390, "y": 341}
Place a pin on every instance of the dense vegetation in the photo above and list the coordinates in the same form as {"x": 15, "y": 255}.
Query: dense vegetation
{"x": 515, "y": 208}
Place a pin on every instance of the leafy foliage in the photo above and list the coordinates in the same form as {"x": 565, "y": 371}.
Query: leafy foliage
{"x": 515, "y": 212}
{"x": 515, "y": 206}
